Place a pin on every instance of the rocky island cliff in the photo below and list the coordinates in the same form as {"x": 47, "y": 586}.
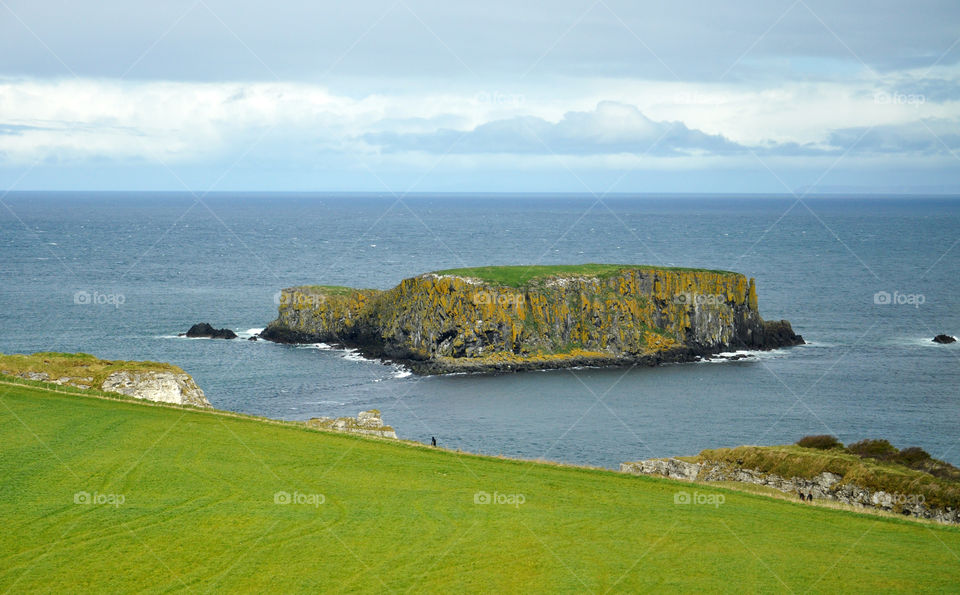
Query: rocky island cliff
{"x": 535, "y": 317}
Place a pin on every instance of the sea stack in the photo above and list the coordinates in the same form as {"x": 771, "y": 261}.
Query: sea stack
{"x": 520, "y": 318}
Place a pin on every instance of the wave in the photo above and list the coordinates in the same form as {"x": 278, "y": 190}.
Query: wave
{"x": 320, "y": 346}
{"x": 742, "y": 356}
{"x": 354, "y": 356}
{"x": 401, "y": 372}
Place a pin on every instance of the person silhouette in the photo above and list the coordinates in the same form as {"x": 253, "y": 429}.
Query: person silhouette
{"x": 433, "y": 441}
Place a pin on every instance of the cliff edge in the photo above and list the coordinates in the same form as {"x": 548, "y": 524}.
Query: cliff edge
{"x": 535, "y": 317}
{"x": 150, "y": 381}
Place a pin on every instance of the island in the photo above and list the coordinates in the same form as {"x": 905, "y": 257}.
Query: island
{"x": 510, "y": 318}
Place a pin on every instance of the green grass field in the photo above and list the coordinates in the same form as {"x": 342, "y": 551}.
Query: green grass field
{"x": 103, "y": 495}
{"x": 519, "y": 275}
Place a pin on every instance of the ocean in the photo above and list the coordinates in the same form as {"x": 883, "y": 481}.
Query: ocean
{"x": 868, "y": 281}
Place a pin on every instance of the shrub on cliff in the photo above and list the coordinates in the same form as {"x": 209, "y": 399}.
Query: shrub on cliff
{"x": 820, "y": 441}
{"x": 912, "y": 457}
{"x": 873, "y": 449}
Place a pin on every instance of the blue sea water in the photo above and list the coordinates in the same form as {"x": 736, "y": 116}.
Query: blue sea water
{"x": 120, "y": 274}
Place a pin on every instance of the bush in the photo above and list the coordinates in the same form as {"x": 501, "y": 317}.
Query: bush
{"x": 913, "y": 456}
{"x": 874, "y": 449}
{"x": 822, "y": 442}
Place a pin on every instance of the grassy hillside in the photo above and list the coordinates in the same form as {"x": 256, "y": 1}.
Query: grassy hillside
{"x": 519, "y": 275}
{"x": 176, "y": 499}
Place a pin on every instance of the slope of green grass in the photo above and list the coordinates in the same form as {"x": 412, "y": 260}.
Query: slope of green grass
{"x": 173, "y": 499}
{"x": 519, "y": 275}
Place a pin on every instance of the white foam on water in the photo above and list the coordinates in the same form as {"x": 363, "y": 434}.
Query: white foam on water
{"x": 906, "y": 341}
{"x": 354, "y": 356}
{"x": 745, "y": 356}
{"x": 320, "y": 346}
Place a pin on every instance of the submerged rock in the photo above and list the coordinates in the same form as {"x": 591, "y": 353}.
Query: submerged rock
{"x": 944, "y": 339}
{"x": 204, "y": 329}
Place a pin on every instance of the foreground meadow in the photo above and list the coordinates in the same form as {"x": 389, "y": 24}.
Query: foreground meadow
{"x": 115, "y": 495}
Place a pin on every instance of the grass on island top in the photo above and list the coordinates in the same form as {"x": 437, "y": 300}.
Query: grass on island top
{"x": 331, "y": 289}
{"x": 519, "y": 275}
{"x": 102, "y": 495}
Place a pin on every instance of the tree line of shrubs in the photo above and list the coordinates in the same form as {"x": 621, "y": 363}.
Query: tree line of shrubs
{"x": 913, "y": 457}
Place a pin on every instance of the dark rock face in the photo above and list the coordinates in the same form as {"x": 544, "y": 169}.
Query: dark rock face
{"x": 944, "y": 339}
{"x": 777, "y": 333}
{"x": 204, "y": 329}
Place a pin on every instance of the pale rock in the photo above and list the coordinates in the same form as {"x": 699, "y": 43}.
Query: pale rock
{"x": 161, "y": 387}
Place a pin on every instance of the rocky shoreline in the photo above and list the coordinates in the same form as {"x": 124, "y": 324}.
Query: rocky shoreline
{"x": 824, "y": 486}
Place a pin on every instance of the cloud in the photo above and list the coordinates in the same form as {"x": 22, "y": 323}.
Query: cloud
{"x": 923, "y": 137}
{"x": 303, "y": 40}
{"x": 610, "y": 128}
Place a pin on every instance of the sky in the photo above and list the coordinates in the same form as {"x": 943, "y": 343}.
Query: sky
{"x": 398, "y": 96}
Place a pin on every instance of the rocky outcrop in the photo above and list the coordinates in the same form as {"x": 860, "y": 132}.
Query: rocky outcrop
{"x": 81, "y": 382}
{"x": 944, "y": 339}
{"x": 366, "y": 422}
{"x": 159, "y": 386}
{"x": 672, "y": 468}
{"x": 152, "y": 381}
{"x": 438, "y": 323}
{"x": 205, "y": 330}
{"x": 822, "y": 486}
